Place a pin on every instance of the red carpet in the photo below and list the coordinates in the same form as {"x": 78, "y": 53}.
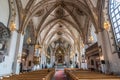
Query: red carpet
{"x": 59, "y": 75}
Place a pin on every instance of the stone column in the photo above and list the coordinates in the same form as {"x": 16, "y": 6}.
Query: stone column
{"x": 18, "y": 51}
{"x": 66, "y": 59}
{"x": 69, "y": 58}
{"x": 41, "y": 61}
{"x": 79, "y": 59}
{"x": 51, "y": 58}
{"x": 37, "y": 52}
{"x": 104, "y": 42}
{"x": 43, "y": 58}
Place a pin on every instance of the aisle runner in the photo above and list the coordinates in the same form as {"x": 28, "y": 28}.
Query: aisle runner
{"x": 59, "y": 75}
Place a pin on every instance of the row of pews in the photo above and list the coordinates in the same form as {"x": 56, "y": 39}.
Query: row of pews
{"x": 79, "y": 74}
{"x": 44, "y": 74}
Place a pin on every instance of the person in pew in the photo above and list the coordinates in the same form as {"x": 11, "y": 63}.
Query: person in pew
{"x": 76, "y": 65}
{"x": 21, "y": 67}
{"x": 45, "y": 66}
{"x": 42, "y": 66}
{"x": 53, "y": 65}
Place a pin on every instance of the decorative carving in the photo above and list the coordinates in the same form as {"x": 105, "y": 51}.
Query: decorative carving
{"x": 36, "y": 60}
{"x": 4, "y": 36}
{"x": 59, "y": 13}
{"x": 40, "y": 13}
{"x": 79, "y": 12}
{"x": 59, "y": 55}
{"x": 59, "y": 33}
{"x": 3, "y": 47}
{"x": 93, "y": 49}
{"x": 4, "y": 32}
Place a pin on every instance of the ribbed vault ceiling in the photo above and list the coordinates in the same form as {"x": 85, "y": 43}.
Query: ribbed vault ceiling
{"x": 59, "y": 19}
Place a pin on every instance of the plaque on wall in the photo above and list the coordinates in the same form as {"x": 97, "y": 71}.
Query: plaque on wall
{"x": 4, "y": 37}
{"x": 2, "y": 57}
{"x": 3, "y": 47}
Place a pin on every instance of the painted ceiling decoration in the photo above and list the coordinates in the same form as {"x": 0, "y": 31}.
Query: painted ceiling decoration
{"x": 68, "y": 20}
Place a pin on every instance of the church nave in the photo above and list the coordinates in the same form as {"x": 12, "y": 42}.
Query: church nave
{"x": 59, "y": 39}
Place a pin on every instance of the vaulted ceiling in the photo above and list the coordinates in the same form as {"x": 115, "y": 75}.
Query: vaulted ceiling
{"x": 59, "y": 19}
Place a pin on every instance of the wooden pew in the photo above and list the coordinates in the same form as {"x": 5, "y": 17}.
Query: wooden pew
{"x": 34, "y": 75}
{"x": 75, "y": 74}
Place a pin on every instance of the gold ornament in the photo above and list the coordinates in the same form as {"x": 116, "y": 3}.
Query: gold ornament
{"x": 12, "y": 26}
{"x": 106, "y": 25}
{"x": 36, "y": 60}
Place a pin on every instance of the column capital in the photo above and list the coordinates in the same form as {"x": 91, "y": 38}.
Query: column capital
{"x": 100, "y": 30}
{"x": 21, "y": 32}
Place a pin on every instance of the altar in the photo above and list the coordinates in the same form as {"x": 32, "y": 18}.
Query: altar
{"x": 59, "y": 55}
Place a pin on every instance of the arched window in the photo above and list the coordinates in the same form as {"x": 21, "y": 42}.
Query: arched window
{"x": 114, "y": 12}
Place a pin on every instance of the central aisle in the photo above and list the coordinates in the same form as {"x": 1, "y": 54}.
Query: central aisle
{"x": 60, "y": 75}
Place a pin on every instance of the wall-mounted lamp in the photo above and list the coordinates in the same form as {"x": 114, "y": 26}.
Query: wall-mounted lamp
{"x": 106, "y": 25}
{"x": 37, "y": 46}
{"x": 29, "y": 40}
{"x": 12, "y": 26}
{"x": 91, "y": 38}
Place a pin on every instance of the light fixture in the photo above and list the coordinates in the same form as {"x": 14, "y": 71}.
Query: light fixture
{"x": 29, "y": 40}
{"x": 91, "y": 38}
{"x": 43, "y": 78}
{"x": 101, "y": 57}
{"x": 1, "y": 77}
{"x": 106, "y": 25}
{"x": 85, "y": 61}
{"x": 23, "y": 57}
{"x": 37, "y": 46}
{"x": 12, "y": 26}
{"x": 59, "y": 51}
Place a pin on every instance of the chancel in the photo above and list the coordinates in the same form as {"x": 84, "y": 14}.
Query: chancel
{"x": 59, "y": 39}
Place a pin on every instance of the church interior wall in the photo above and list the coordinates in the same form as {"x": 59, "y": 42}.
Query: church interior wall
{"x": 6, "y": 66}
{"x": 4, "y": 12}
{"x": 103, "y": 38}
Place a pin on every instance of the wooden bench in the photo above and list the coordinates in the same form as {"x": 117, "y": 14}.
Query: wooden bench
{"x": 34, "y": 75}
{"x": 75, "y": 74}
